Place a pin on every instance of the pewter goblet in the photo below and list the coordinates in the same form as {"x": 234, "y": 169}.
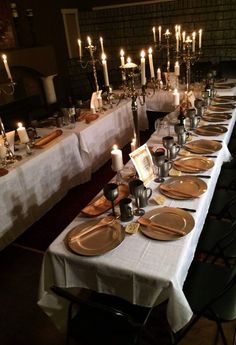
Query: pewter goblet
{"x": 159, "y": 159}
{"x": 168, "y": 142}
{"x": 136, "y": 188}
{"x": 110, "y": 191}
{"x": 198, "y": 104}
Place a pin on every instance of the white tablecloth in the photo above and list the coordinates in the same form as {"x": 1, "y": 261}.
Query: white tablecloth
{"x": 36, "y": 183}
{"x": 140, "y": 270}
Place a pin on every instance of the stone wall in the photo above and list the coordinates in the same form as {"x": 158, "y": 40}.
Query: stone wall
{"x": 131, "y": 28}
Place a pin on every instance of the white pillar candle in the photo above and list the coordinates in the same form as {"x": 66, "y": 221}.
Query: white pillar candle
{"x": 154, "y": 34}
{"x": 176, "y": 97}
{"x": 4, "y": 57}
{"x": 200, "y": 38}
{"x": 158, "y": 74}
{"x": 194, "y": 40}
{"x": 116, "y": 158}
{"x": 159, "y": 33}
{"x": 177, "y": 69}
{"x": 143, "y": 76}
{"x": 80, "y": 49}
{"x": 183, "y": 36}
{"x": 105, "y": 72}
{"x": 22, "y": 134}
{"x": 151, "y": 63}
{"x": 102, "y": 47}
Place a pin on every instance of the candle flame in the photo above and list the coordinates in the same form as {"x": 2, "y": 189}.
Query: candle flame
{"x": 122, "y": 53}
{"x": 150, "y": 50}
{"x": 142, "y": 54}
{"x": 177, "y": 64}
{"x": 153, "y": 29}
{"x": 128, "y": 60}
{"x": 194, "y": 34}
{"x": 200, "y": 31}
{"x": 19, "y": 125}
{"x": 101, "y": 39}
{"x": 114, "y": 147}
{"x": 79, "y": 42}
{"x": 4, "y": 57}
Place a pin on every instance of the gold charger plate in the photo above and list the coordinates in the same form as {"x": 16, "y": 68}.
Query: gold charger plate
{"x": 193, "y": 164}
{"x": 101, "y": 205}
{"x": 46, "y": 139}
{"x": 183, "y": 187}
{"x": 224, "y": 86}
{"x": 224, "y": 107}
{"x": 210, "y": 130}
{"x": 95, "y": 242}
{"x": 216, "y": 117}
{"x": 168, "y": 216}
{"x": 203, "y": 146}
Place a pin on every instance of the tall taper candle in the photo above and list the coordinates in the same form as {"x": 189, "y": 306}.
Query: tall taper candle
{"x": 105, "y": 72}
{"x": 102, "y": 47}
{"x": 154, "y": 34}
{"x": 143, "y": 76}
{"x": 80, "y": 49}
{"x": 159, "y": 33}
{"x": 151, "y": 63}
{"x": 4, "y": 57}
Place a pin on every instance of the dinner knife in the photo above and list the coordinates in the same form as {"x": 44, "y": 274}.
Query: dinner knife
{"x": 187, "y": 209}
{"x": 203, "y": 176}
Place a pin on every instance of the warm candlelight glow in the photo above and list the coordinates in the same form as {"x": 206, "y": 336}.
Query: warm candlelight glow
{"x": 152, "y": 74}
{"x": 150, "y": 50}
{"x": 89, "y": 41}
{"x": 167, "y": 33}
{"x": 19, "y": 125}
{"x": 80, "y": 48}
{"x": 104, "y": 56}
{"x": 142, "y": 54}
{"x": 4, "y": 58}
{"x": 183, "y": 36}
{"x": 154, "y": 34}
{"x": 122, "y": 53}
{"x": 102, "y": 47}
{"x": 128, "y": 59}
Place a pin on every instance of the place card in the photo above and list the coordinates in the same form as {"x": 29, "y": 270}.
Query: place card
{"x": 143, "y": 163}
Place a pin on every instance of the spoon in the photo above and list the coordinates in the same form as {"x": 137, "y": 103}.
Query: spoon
{"x": 149, "y": 222}
{"x": 104, "y": 221}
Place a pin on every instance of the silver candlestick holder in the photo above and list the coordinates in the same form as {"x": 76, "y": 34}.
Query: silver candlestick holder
{"x": 131, "y": 71}
{"x": 7, "y": 89}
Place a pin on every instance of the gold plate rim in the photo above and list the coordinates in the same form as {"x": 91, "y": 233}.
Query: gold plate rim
{"x": 77, "y": 248}
{"x": 179, "y": 164}
{"x": 203, "y": 150}
{"x": 211, "y": 130}
{"x": 202, "y": 187}
{"x": 157, "y": 234}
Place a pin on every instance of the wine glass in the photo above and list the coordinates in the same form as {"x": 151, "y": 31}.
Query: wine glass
{"x": 110, "y": 191}
{"x": 159, "y": 159}
{"x": 168, "y": 142}
{"x": 136, "y": 188}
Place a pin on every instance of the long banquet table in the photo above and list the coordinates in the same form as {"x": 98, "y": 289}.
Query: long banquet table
{"x": 141, "y": 270}
{"x": 37, "y": 182}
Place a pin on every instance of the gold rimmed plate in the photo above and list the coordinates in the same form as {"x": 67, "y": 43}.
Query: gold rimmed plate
{"x": 203, "y": 146}
{"x": 211, "y": 130}
{"x": 169, "y": 217}
{"x": 193, "y": 164}
{"x": 183, "y": 187}
{"x": 216, "y": 117}
{"x": 220, "y": 108}
{"x": 224, "y": 86}
{"x": 95, "y": 242}
{"x": 102, "y": 205}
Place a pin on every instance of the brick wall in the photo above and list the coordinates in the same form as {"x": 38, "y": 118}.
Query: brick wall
{"x": 131, "y": 28}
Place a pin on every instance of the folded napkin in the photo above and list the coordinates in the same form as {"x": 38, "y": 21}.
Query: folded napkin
{"x": 48, "y": 138}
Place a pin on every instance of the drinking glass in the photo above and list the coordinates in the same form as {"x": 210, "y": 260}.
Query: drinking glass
{"x": 159, "y": 159}
{"x": 168, "y": 142}
{"x": 110, "y": 191}
{"x": 162, "y": 128}
{"x": 136, "y": 188}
